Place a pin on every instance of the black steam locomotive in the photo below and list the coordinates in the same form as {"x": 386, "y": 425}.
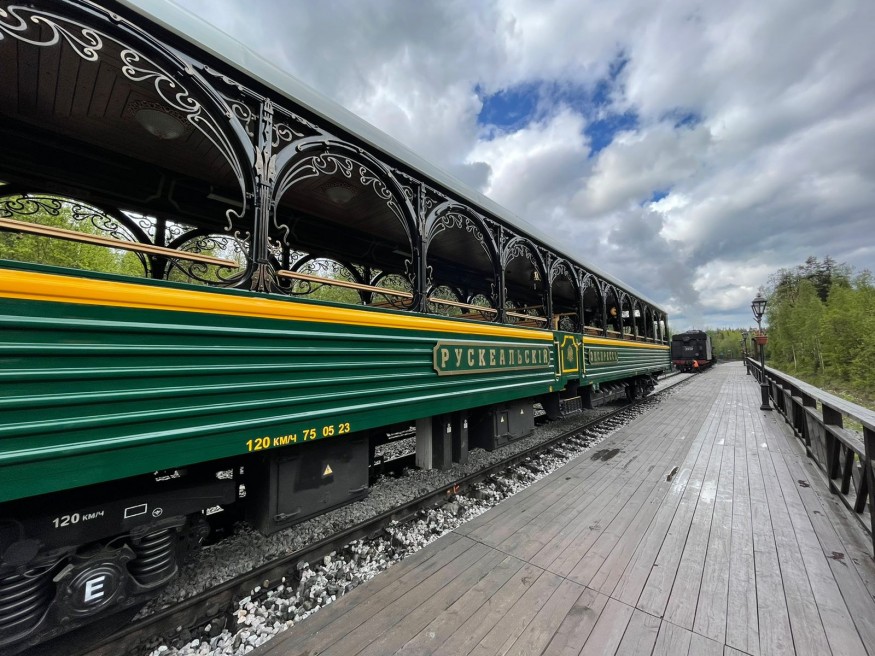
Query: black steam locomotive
{"x": 691, "y": 350}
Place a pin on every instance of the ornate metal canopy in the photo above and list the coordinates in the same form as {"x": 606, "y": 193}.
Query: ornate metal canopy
{"x": 175, "y": 148}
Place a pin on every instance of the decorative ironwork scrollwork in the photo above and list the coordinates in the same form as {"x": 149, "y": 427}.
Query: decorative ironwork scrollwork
{"x": 225, "y": 246}
{"x": 393, "y": 282}
{"x": 444, "y": 293}
{"x": 454, "y": 220}
{"x": 560, "y": 269}
{"x": 119, "y": 227}
{"x": 244, "y": 114}
{"x": 23, "y": 23}
{"x": 86, "y": 44}
{"x": 569, "y": 323}
{"x": 519, "y": 248}
{"x": 101, "y": 221}
{"x": 326, "y": 163}
{"x": 284, "y": 133}
{"x": 72, "y": 215}
{"x": 26, "y": 205}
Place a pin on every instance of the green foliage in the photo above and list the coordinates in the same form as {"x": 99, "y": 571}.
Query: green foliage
{"x": 330, "y": 270}
{"x": 38, "y": 249}
{"x": 726, "y": 343}
{"x": 821, "y": 318}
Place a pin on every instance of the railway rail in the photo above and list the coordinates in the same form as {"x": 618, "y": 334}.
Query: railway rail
{"x": 216, "y": 606}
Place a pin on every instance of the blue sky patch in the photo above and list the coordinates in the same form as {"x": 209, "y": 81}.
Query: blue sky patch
{"x": 659, "y": 194}
{"x": 602, "y": 131}
{"x": 684, "y": 118}
{"x": 509, "y": 109}
{"x": 513, "y": 108}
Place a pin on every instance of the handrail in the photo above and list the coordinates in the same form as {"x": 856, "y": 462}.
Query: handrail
{"x": 528, "y": 317}
{"x": 479, "y": 308}
{"x": 285, "y": 273}
{"x": 72, "y": 235}
{"x": 334, "y": 282}
{"x": 845, "y": 459}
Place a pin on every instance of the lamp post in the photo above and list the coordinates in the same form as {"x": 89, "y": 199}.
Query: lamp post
{"x": 759, "y": 309}
{"x": 744, "y": 335}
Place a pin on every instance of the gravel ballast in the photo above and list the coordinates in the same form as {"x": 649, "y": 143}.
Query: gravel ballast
{"x": 264, "y": 613}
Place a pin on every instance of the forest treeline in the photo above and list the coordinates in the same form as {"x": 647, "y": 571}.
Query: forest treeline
{"x": 821, "y": 318}
{"x": 821, "y": 327}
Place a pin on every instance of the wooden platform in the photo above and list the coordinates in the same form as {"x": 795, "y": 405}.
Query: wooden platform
{"x": 700, "y": 528}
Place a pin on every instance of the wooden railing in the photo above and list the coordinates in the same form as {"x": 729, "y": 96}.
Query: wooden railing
{"x": 335, "y": 282}
{"x": 475, "y": 312}
{"x": 111, "y": 242}
{"x": 845, "y": 456}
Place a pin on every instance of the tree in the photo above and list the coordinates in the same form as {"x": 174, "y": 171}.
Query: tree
{"x": 59, "y": 213}
{"x": 821, "y": 319}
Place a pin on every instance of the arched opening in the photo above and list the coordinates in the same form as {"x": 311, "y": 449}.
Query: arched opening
{"x": 648, "y": 322}
{"x": 525, "y": 287}
{"x": 614, "y": 312}
{"x": 593, "y": 306}
{"x": 640, "y": 323}
{"x": 342, "y": 230}
{"x": 460, "y": 264}
{"x": 565, "y": 297}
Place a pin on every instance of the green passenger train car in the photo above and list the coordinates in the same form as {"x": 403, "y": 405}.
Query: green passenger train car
{"x": 220, "y": 293}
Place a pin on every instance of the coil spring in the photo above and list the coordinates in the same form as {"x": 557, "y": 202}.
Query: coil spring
{"x": 156, "y": 557}
{"x": 24, "y": 599}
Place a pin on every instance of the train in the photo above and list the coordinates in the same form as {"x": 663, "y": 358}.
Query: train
{"x": 691, "y": 350}
{"x": 220, "y": 293}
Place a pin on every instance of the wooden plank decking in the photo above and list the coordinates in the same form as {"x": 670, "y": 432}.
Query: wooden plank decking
{"x": 700, "y": 528}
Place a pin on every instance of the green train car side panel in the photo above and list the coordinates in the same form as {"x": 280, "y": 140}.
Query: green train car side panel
{"x": 91, "y": 393}
{"x": 100, "y": 381}
{"x": 608, "y": 360}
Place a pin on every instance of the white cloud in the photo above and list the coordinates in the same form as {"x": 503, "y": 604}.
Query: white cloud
{"x": 536, "y": 166}
{"x": 638, "y": 163}
{"x": 778, "y": 163}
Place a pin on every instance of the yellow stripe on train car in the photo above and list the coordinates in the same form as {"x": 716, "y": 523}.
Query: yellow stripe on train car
{"x": 46, "y": 287}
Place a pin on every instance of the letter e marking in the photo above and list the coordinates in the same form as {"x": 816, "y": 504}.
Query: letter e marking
{"x": 94, "y": 589}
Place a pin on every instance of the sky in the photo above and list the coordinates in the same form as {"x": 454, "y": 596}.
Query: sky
{"x": 689, "y": 148}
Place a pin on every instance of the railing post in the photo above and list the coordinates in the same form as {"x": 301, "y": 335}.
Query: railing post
{"x": 807, "y": 402}
{"x": 764, "y": 382}
{"x": 832, "y": 417}
{"x": 869, "y": 477}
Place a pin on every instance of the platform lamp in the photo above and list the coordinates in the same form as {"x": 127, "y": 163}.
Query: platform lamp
{"x": 759, "y": 309}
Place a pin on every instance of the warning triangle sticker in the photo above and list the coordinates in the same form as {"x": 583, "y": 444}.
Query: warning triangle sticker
{"x": 328, "y": 471}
